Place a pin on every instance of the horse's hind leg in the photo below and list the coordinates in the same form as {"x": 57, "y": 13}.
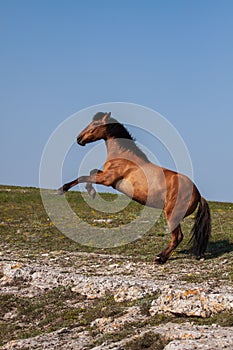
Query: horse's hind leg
{"x": 177, "y": 237}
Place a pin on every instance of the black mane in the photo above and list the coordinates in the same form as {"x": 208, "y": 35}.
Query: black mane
{"x": 119, "y": 131}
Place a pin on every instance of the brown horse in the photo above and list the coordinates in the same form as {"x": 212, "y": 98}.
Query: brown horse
{"x": 129, "y": 170}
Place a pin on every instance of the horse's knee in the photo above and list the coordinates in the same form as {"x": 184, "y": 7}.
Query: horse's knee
{"x": 95, "y": 171}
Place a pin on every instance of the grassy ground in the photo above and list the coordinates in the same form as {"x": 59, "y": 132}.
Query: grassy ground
{"x": 25, "y": 227}
{"x": 25, "y": 224}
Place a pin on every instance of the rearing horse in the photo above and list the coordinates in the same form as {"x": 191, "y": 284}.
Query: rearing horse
{"x": 128, "y": 170}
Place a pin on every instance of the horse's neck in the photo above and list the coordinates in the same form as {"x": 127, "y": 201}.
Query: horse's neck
{"x": 115, "y": 149}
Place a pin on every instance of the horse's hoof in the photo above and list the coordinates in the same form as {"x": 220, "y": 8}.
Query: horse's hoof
{"x": 200, "y": 257}
{"x": 62, "y": 190}
{"x": 91, "y": 191}
{"x": 159, "y": 260}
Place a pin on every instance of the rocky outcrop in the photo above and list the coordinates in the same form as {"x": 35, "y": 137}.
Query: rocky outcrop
{"x": 171, "y": 336}
{"x": 96, "y": 276}
{"x": 192, "y": 302}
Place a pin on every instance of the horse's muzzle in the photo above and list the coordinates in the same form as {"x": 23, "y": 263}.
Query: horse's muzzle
{"x": 80, "y": 141}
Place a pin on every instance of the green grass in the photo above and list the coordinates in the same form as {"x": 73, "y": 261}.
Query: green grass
{"x": 37, "y": 315}
{"x": 25, "y": 224}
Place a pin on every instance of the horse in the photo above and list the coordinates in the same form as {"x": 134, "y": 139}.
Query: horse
{"x": 129, "y": 170}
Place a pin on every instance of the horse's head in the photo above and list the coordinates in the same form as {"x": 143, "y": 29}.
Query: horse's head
{"x": 96, "y": 130}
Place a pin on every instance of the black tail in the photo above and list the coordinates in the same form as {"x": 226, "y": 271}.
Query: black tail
{"x": 201, "y": 230}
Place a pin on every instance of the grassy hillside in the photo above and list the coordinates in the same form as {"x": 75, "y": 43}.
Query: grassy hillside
{"x": 25, "y": 225}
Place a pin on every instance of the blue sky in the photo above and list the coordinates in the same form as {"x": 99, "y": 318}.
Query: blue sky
{"x": 58, "y": 57}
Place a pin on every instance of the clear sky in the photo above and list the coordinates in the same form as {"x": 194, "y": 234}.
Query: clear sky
{"x": 175, "y": 56}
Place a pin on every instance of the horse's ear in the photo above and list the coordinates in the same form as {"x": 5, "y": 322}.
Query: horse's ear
{"x": 106, "y": 117}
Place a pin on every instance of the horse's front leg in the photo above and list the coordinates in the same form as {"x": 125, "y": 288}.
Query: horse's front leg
{"x": 101, "y": 178}
{"x": 66, "y": 187}
{"x": 91, "y": 190}
{"x": 89, "y": 187}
